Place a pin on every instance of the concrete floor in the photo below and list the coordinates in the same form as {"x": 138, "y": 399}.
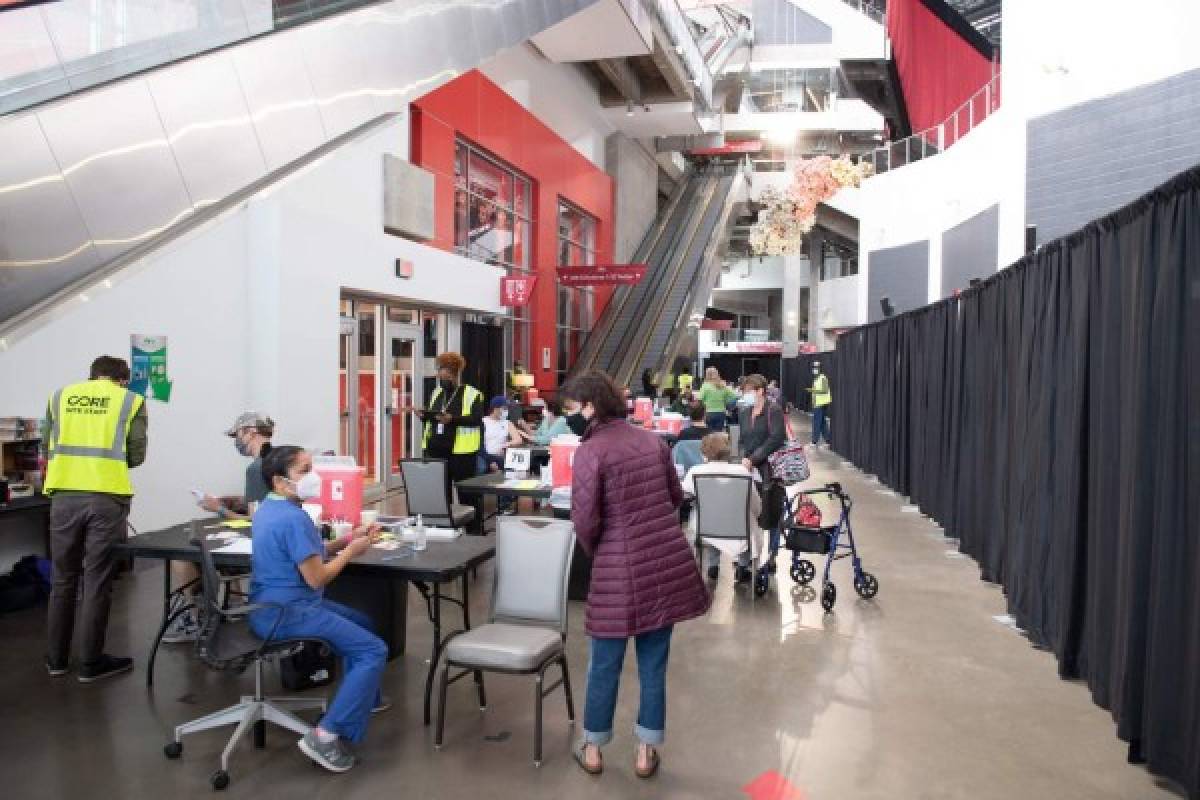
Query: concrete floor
{"x": 918, "y": 694}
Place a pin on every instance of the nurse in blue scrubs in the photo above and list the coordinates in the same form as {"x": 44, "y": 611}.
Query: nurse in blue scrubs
{"x": 292, "y": 565}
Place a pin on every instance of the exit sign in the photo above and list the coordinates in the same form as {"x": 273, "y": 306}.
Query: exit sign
{"x": 404, "y": 268}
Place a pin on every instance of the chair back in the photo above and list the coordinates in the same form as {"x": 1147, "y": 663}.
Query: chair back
{"x": 723, "y": 506}
{"x": 687, "y": 454}
{"x": 220, "y": 644}
{"x": 426, "y": 486}
{"x": 533, "y": 564}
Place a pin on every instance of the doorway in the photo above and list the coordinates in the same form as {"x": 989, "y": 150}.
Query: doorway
{"x": 383, "y": 366}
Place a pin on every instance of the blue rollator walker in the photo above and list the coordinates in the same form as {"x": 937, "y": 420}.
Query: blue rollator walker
{"x": 833, "y": 541}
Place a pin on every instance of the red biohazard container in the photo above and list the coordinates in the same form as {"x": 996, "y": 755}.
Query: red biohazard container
{"x": 562, "y": 458}
{"x": 341, "y": 488}
{"x": 671, "y": 423}
{"x": 643, "y": 409}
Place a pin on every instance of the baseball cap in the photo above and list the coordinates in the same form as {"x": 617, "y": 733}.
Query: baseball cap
{"x": 499, "y": 401}
{"x": 250, "y": 419}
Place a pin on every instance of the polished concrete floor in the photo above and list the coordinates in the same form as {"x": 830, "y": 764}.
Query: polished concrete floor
{"x": 921, "y": 693}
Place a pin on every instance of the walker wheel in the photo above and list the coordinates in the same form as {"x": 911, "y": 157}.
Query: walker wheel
{"x": 220, "y": 779}
{"x": 803, "y": 571}
{"x": 828, "y": 597}
{"x": 762, "y": 581}
{"x": 173, "y": 750}
{"x": 866, "y": 585}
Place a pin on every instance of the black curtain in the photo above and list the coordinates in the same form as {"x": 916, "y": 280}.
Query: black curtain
{"x": 1050, "y": 420}
{"x": 483, "y": 348}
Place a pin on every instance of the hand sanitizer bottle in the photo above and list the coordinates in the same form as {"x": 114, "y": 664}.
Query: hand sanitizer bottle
{"x": 421, "y": 541}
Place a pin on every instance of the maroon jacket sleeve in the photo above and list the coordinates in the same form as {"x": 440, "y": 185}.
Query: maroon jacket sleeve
{"x": 587, "y": 487}
{"x": 673, "y": 487}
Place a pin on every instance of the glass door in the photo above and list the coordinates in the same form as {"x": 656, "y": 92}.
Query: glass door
{"x": 403, "y": 368}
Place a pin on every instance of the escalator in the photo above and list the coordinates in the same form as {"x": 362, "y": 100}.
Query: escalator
{"x": 644, "y": 325}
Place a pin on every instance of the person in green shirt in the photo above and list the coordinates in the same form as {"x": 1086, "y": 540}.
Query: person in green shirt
{"x": 715, "y": 394}
{"x": 553, "y": 424}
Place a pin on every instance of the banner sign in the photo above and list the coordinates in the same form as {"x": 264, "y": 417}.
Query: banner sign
{"x": 516, "y": 291}
{"x": 716, "y": 325}
{"x": 601, "y": 274}
{"x": 730, "y": 148}
{"x": 148, "y": 367}
{"x": 762, "y": 348}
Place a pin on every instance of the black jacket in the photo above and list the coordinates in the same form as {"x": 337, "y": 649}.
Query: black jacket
{"x": 762, "y": 436}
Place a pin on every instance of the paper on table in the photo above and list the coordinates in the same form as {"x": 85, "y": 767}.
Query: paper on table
{"x": 526, "y": 485}
{"x": 236, "y": 523}
{"x": 240, "y": 546}
{"x": 434, "y": 535}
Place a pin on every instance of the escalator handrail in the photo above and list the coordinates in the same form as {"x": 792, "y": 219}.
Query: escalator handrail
{"x": 705, "y": 276}
{"x": 627, "y": 338}
{"x": 591, "y": 345}
{"x": 699, "y": 234}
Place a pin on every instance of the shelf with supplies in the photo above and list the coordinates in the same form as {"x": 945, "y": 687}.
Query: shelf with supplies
{"x": 20, "y": 442}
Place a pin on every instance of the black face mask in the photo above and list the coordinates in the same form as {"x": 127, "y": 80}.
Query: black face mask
{"x": 446, "y": 384}
{"x": 577, "y": 423}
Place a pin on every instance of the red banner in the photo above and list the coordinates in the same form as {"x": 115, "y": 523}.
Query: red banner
{"x": 601, "y": 274}
{"x": 716, "y": 325}
{"x": 516, "y": 291}
{"x": 730, "y": 148}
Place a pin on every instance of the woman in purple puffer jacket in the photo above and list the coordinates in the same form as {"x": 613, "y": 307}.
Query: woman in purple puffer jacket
{"x": 625, "y": 498}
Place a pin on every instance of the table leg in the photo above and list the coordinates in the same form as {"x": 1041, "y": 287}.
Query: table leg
{"x": 162, "y": 628}
{"x": 437, "y": 646}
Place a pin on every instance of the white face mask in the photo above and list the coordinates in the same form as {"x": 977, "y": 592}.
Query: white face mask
{"x": 308, "y": 487}
{"x": 504, "y": 414}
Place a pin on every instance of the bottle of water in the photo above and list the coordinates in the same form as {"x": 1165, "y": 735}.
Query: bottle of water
{"x": 421, "y": 542}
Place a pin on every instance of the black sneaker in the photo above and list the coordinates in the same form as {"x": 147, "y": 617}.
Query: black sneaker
{"x": 56, "y": 668}
{"x": 104, "y": 667}
{"x": 331, "y": 755}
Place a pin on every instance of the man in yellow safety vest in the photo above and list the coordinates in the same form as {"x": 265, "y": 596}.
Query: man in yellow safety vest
{"x": 821, "y": 398}
{"x": 94, "y": 432}
{"x": 454, "y": 419}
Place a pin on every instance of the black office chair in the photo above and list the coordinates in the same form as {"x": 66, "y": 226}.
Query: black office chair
{"x": 226, "y": 642}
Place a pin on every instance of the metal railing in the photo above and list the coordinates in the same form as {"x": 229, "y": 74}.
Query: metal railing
{"x": 932, "y": 141}
{"x": 869, "y": 8}
{"x": 680, "y": 31}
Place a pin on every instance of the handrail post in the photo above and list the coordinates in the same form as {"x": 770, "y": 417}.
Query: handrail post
{"x": 987, "y": 97}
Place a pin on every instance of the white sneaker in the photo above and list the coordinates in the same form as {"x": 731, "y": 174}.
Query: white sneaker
{"x": 183, "y": 629}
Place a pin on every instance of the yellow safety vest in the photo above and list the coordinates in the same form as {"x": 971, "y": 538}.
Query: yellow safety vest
{"x": 820, "y": 391}
{"x": 89, "y": 429}
{"x": 466, "y": 439}
{"x": 685, "y": 382}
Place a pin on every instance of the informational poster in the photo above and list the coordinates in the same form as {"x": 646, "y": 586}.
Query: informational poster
{"x": 148, "y": 367}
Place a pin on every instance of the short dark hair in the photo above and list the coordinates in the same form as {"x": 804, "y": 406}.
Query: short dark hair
{"x": 278, "y": 461}
{"x": 597, "y": 388}
{"x": 554, "y": 407}
{"x": 754, "y": 381}
{"x": 697, "y": 412}
{"x": 110, "y": 367}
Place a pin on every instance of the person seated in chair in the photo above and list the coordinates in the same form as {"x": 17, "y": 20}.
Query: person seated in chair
{"x": 292, "y": 566}
{"x": 716, "y": 450}
{"x": 499, "y": 434}
{"x": 699, "y": 427}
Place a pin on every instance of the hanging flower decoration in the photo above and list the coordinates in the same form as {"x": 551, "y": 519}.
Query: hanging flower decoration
{"x": 787, "y": 215}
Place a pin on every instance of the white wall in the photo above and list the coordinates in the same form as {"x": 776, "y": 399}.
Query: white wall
{"x": 837, "y": 303}
{"x": 922, "y": 200}
{"x": 249, "y": 304}
{"x": 1058, "y": 54}
{"x": 557, "y": 94}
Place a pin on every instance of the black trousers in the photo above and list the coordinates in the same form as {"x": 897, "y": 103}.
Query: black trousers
{"x": 84, "y": 528}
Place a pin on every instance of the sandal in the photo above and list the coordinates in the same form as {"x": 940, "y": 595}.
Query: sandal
{"x": 578, "y": 754}
{"x": 649, "y": 771}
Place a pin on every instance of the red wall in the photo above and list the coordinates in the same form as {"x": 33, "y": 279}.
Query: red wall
{"x": 939, "y": 69}
{"x": 478, "y": 110}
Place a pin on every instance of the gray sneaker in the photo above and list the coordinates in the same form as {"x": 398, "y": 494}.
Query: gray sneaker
{"x": 183, "y": 629}
{"x": 332, "y": 755}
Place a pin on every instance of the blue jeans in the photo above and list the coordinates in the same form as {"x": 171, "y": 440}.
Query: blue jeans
{"x": 348, "y": 634}
{"x": 820, "y": 425}
{"x": 604, "y": 676}
{"x": 715, "y": 421}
